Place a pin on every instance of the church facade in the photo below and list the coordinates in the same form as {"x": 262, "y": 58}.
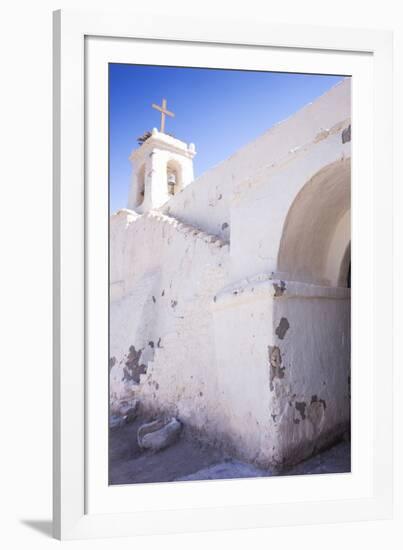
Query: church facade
{"x": 230, "y": 293}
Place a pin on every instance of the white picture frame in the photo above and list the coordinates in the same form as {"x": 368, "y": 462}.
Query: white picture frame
{"x": 75, "y": 388}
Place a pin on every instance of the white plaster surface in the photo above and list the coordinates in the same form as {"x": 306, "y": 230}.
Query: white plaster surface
{"x": 227, "y": 308}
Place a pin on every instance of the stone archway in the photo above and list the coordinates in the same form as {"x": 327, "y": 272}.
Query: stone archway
{"x": 316, "y": 232}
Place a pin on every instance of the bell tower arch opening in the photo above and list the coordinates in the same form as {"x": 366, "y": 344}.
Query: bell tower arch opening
{"x": 141, "y": 176}
{"x": 174, "y": 177}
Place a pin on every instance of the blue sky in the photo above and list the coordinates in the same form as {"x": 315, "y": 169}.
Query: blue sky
{"x": 218, "y": 110}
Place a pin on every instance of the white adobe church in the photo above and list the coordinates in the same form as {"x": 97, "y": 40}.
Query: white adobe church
{"x": 230, "y": 293}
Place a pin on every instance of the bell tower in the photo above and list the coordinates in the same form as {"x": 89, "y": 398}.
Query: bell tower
{"x": 162, "y": 166}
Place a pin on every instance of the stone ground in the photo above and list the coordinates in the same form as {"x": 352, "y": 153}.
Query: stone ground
{"x": 189, "y": 460}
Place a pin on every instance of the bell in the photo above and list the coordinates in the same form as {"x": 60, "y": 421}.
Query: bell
{"x": 171, "y": 183}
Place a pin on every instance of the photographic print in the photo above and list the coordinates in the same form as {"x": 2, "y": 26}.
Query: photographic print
{"x": 229, "y": 272}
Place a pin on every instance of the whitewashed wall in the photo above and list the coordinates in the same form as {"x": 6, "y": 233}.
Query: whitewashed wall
{"x": 170, "y": 272}
{"x": 310, "y": 405}
{"x": 207, "y": 201}
{"x": 283, "y": 356}
{"x": 248, "y": 343}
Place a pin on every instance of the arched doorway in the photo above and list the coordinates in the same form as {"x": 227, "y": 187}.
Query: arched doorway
{"x": 316, "y": 232}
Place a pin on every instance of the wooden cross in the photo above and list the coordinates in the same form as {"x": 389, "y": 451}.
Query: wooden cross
{"x": 164, "y": 111}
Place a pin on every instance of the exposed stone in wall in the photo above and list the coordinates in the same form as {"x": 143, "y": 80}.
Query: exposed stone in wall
{"x": 133, "y": 368}
{"x": 276, "y": 370}
{"x": 314, "y": 399}
{"x": 316, "y": 412}
{"x": 301, "y": 406}
{"x": 282, "y": 328}
{"x": 279, "y": 289}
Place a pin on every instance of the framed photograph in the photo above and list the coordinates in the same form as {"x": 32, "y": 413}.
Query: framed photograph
{"x": 222, "y": 219}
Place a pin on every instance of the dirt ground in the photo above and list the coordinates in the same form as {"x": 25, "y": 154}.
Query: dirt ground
{"x": 189, "y": 460}
{"x": 129, "y": 464}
